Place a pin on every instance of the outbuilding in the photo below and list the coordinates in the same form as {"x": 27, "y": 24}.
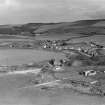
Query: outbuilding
{"x": 88, "y": 73}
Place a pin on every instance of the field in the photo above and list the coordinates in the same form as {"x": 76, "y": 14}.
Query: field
{"x": 12, "y": 95}
{"x": 21, "y": 56}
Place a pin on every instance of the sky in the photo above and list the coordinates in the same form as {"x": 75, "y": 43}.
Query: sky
{"x": 24, "y": 11}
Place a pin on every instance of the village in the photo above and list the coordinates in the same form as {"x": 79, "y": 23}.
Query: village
{"x": 82, "y": 69}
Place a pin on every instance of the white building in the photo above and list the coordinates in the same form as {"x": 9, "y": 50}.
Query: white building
{"x": 89, "y": 73}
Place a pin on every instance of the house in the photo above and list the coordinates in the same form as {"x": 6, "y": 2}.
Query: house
{"x": 103, "y": 71}
{"x": 58, "y": 48}
{"x": 93, "y": 44}
{"x": 94, "y": 82}
{"x": 88, "y": 73}
{"x": 45, "y": 46}
{"x": 58, "y": 68}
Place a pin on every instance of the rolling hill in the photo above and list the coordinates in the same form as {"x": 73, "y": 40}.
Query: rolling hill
{"x": 79, "y": 28}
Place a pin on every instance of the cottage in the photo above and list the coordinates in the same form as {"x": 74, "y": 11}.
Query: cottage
{"x": 57, "y": 68}
{"x": 88, "y": 73}
{"x": 44, "y": 46}
{"x": 94, "y": 82}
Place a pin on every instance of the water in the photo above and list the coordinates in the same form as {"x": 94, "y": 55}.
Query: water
{"x": 23, "y": 56}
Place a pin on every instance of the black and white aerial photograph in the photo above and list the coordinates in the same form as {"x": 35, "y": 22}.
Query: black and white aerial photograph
{"x": 52, "y": 52}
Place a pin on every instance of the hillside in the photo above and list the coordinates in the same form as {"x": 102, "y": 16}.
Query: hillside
{"x": 79, "y": 28}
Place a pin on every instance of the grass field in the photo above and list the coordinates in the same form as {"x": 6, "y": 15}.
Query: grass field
{"x": 11, "y": 95}
{"x": 21, "y": 56}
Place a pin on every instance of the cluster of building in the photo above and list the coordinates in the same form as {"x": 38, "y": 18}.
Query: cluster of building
{"x": 85, "y": 83}
{"x": 89, "y": 49}
{"x": 55, "y": 44}
{"x": 92, "y": 51}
